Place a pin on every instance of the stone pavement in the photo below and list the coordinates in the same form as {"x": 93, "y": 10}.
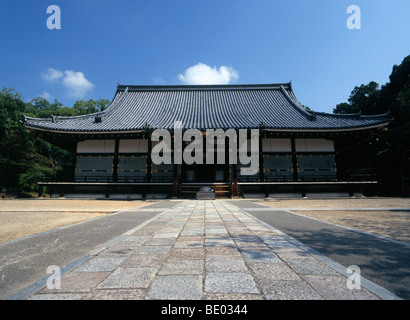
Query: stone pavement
{"x": 204, "y": 250}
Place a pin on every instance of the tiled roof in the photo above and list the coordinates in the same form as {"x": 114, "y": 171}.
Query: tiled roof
{"x": 272, "y": 106}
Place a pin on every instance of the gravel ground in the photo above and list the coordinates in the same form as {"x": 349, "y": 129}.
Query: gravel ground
{"x": 70, "y": 205}
{"x": 21, "y": 218}
{"x": 390, "y": 224}
{"x": 342, "y": 203}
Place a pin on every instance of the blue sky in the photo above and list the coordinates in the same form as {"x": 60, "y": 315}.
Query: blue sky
{"x": 102, "y": 42}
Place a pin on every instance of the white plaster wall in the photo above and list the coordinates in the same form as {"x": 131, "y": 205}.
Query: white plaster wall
{"x": 96, "y": 146}
{"x": 314, "y": 145}
{"x": 133, "y": 146}
{"x": 276, "y": 145}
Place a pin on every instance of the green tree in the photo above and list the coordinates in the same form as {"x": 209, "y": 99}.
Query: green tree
{"x": 25, "y": 158}
{"x": 18, "y": 150}
{"x": 344, "y": 108}
{"x": 90, "y": 106}
{"x": 41, "y": 108}
{"x": 391, "y": 151}
{"x": 396, "y": 95}
{"x": 363, "y": 99}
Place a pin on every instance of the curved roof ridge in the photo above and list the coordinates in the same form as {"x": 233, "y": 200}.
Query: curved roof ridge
{"x": 35, "y": 119}
{"x": 276, "y": 86}
{"x": 56, "y": 118}
{"x": 114, "y": 105}
{"x": 296, "y": 104}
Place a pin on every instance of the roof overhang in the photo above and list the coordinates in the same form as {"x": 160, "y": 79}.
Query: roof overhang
{"x": 381, "y": 125}
{"x": 290, "y": 130}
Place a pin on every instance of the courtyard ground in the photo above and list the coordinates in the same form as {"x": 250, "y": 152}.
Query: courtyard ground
{"x": 357, "y": 213}
{"x": 23, "y": 217}
{"x": 200, "y": 250}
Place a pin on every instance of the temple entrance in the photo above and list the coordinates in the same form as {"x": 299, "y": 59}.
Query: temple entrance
{"x": 196, "y": 176}
{"x": 205, "y": 173}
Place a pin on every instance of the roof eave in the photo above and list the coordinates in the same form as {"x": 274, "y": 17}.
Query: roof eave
{"x": 288, "y": 130}
{"x": 330, "y": 130}
{"x": 80, "y": 132}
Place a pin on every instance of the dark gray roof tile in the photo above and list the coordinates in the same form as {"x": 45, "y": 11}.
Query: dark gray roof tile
{"x": 206, "y": 107}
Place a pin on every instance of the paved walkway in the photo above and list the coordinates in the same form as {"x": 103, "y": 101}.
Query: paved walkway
{"x": 382, "y": 260}
{"x": 203, "y": 250}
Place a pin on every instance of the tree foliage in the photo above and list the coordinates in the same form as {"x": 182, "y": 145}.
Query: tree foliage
{"x": 363, "y": 99}
{"x": 41, "y": 108}
{"x": 391, "y": 150}
{"x": 24, "y": 158}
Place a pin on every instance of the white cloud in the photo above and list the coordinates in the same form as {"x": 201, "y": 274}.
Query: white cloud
{"x": 52, "y": 75}
{"x": 204, "y": 74}
{"x": 75, "y": 82}
{"x": 46, "y": 95}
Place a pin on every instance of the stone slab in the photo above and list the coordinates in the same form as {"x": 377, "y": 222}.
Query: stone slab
{"x": 225, "y": 264}
{"x": 259, "y": 256}
{"x": 182, "y": 267}
{"x": 335, "y": 288}
{"x": 144, "y": 261}
{"x": 100, "y": 264}
{"x": 176, "y": 287}
{"x": 239, "y": 282}
{"x": 272, "y": 271}
{"x": 288, "y": 290}
{"x": 78, "y": 282}
{"x": 129, "y": 278}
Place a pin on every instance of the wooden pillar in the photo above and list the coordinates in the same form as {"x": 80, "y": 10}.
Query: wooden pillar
{"x": 74, "y": 163}
{"x": 261, "y": 166}
{"x": 148, "y": 176}
{"x": 116, "y": 160}
{"x": 294, "y": 160}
